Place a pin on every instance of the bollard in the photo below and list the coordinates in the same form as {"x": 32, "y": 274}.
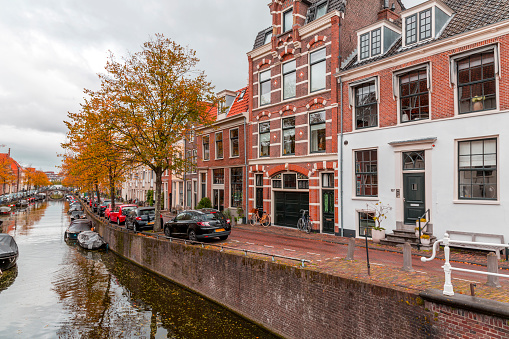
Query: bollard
{"x": 407, "y": 257}
{"x": 493, "y": 281}
{"x": 351, "y": 249}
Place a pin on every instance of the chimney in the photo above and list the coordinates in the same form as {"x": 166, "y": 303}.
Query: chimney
{"x": 388, "y": 14}
{"x": 9, "y": 153}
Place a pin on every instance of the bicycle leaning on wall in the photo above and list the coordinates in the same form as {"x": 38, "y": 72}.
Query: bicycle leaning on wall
{"x": 304, "y": 223}
{"x": 255, "y": 218}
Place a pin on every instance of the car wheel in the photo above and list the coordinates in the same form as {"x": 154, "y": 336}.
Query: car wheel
{"x": 118, "y": 221}
{"x": 224, "y": 237}
{"x": 192, "y": 235}
{"x": 167, "y": 231}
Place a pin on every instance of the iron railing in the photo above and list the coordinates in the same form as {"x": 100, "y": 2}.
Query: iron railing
{"x": 448, "y": 288}
{"x": 428, "y": 214}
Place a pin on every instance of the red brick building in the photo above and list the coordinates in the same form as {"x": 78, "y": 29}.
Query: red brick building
{"x": 425, "y": 118}
{"x": 293, "y": 121}
{"x": 222, "y": 154}
{"x": 11, "y": 174}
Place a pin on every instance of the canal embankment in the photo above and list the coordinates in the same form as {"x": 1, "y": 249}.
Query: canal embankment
{"x": 307, "y": 302}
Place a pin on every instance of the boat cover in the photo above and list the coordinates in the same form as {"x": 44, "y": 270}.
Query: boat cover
{"x": 8, "y": 246}
{"x": 5, "y": 209}
{"x": 90, "y": 240}
{"x": 80, "y": 225}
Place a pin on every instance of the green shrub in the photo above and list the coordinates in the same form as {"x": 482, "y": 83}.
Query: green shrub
{"x": 204, "y": 203}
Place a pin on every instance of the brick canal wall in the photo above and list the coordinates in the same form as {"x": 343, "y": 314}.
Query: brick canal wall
{"x": 302, "y": 303}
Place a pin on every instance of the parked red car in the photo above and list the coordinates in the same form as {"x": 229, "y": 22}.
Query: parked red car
{"x": 121, "y": 211}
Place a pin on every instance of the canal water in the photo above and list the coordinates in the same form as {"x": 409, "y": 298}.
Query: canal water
{"x": 59, "y": 290}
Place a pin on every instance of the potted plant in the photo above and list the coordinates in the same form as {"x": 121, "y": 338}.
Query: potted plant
{"x": 228, "y": 215}
{"x": 240, "y": 215}
{"x": 423, "y": 222}
{"x": 379, "y": 214}
{"x": 478, "y": 103}
{"x": 425, "y": 239}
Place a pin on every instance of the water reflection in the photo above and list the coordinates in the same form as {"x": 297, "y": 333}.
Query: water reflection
{"x": 8, "y": 277}
{"x": 61, "y": 290}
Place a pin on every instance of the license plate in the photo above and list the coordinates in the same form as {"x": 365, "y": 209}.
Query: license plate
{"x": 150, "y": 223}
{"x": 220, "y": 230}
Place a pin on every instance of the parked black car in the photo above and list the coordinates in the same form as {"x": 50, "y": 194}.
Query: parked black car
{"x": 76, "y": 227}
{"x": 200, "y": 224}
{"x": 103, "y": 206}
{"x": 140, "y": 219}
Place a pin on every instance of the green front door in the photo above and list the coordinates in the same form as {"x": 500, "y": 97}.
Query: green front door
{"x": 414, "y": 196}
{"x": 328, "y": 211}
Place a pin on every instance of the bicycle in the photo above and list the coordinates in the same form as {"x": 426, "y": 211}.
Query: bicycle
{"x": 304, "y": 223}
{"x": 255, "y": 218}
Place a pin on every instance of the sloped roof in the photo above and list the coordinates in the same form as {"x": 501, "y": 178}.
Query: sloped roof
{"x": 14, "y": 164}
{"x": 468, "y": 15}
{"x": 240, "y": 106}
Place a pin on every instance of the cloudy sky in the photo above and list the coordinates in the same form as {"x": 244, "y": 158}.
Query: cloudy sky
{"x": 53, "y": 49}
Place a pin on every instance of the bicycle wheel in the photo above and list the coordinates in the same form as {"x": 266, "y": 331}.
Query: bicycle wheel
{"x": 308, "y": 226}
{"x": 300, "y": 224}
{"x": 265, "y": 221}
{"x": 252, "y": 219}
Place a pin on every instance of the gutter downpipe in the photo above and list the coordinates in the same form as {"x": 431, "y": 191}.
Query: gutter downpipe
{"x": 341, "y": 157}
{"x": 246, "y": 180}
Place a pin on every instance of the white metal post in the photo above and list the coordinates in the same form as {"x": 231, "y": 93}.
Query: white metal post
{"x": 448, "y": 289}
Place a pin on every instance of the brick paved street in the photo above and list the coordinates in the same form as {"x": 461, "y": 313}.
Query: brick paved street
{"x": 327, "y": 253}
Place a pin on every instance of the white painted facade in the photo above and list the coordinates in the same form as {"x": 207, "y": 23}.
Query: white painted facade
{"x": 439, "y": 139}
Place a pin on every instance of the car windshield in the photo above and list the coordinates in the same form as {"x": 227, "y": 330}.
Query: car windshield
{"x": 213, "y": 216}
{"x": 126, "y": 210}
{"x": 147, "y": 212}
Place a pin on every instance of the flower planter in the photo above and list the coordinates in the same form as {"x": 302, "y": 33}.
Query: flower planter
{"x": 377, "y": 235}
{"x": 425, "y": 241}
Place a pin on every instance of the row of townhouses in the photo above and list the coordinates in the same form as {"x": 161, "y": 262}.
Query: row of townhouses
{"x": 350, "y": 103}
{"x": 12, "y": 175}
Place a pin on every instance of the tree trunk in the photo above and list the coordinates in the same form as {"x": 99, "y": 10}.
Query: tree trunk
{"x": 157, "y": 223}
{"x": 98, "y": 194}
{"x": 112, "y": 189}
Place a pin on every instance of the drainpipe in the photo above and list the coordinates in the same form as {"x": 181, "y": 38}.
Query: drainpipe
{"x": 246, "y": 177}
{"x": 341, "y": 157}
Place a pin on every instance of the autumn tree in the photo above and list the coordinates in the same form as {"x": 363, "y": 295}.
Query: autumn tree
{"x": 7, "y": 175}
{"x": 90, "y": 141}
{"x": 149, "y": 101}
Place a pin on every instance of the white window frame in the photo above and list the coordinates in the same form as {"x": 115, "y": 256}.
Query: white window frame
{"x": 283, "y": 80}
{"x": 310, "y": 70}
{"x": 203, "y": 148}
{"x": 269, "y": 80}
{"x": 283, "y": 20}
{"x": 453, "y": 75}
{"x": 231, "y": 144}
{"x": 457, "y": 200}
{"x": 396, "y": 88}
{"x": 215, "y": 145}
{"x": 351, "y": 100}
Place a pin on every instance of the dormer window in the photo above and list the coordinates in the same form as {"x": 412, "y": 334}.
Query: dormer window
{"x": 425, "y": 21}
{"x": 411, "y": 29}
{"x": 425, "y": 24}
{"x": 376, "y": 39}
{"x": 376, "y": 42}
{"x": 365, "y": 46}
{"x": 287, "y": 20}
{"x": 268, "y": 37}
{"x": 321, "y": 10}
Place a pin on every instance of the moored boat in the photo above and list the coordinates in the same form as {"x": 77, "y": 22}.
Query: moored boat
{"x": 90, "y": 240}
{"x": 8, "y": 252}
{"x": 5, "y": 210}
